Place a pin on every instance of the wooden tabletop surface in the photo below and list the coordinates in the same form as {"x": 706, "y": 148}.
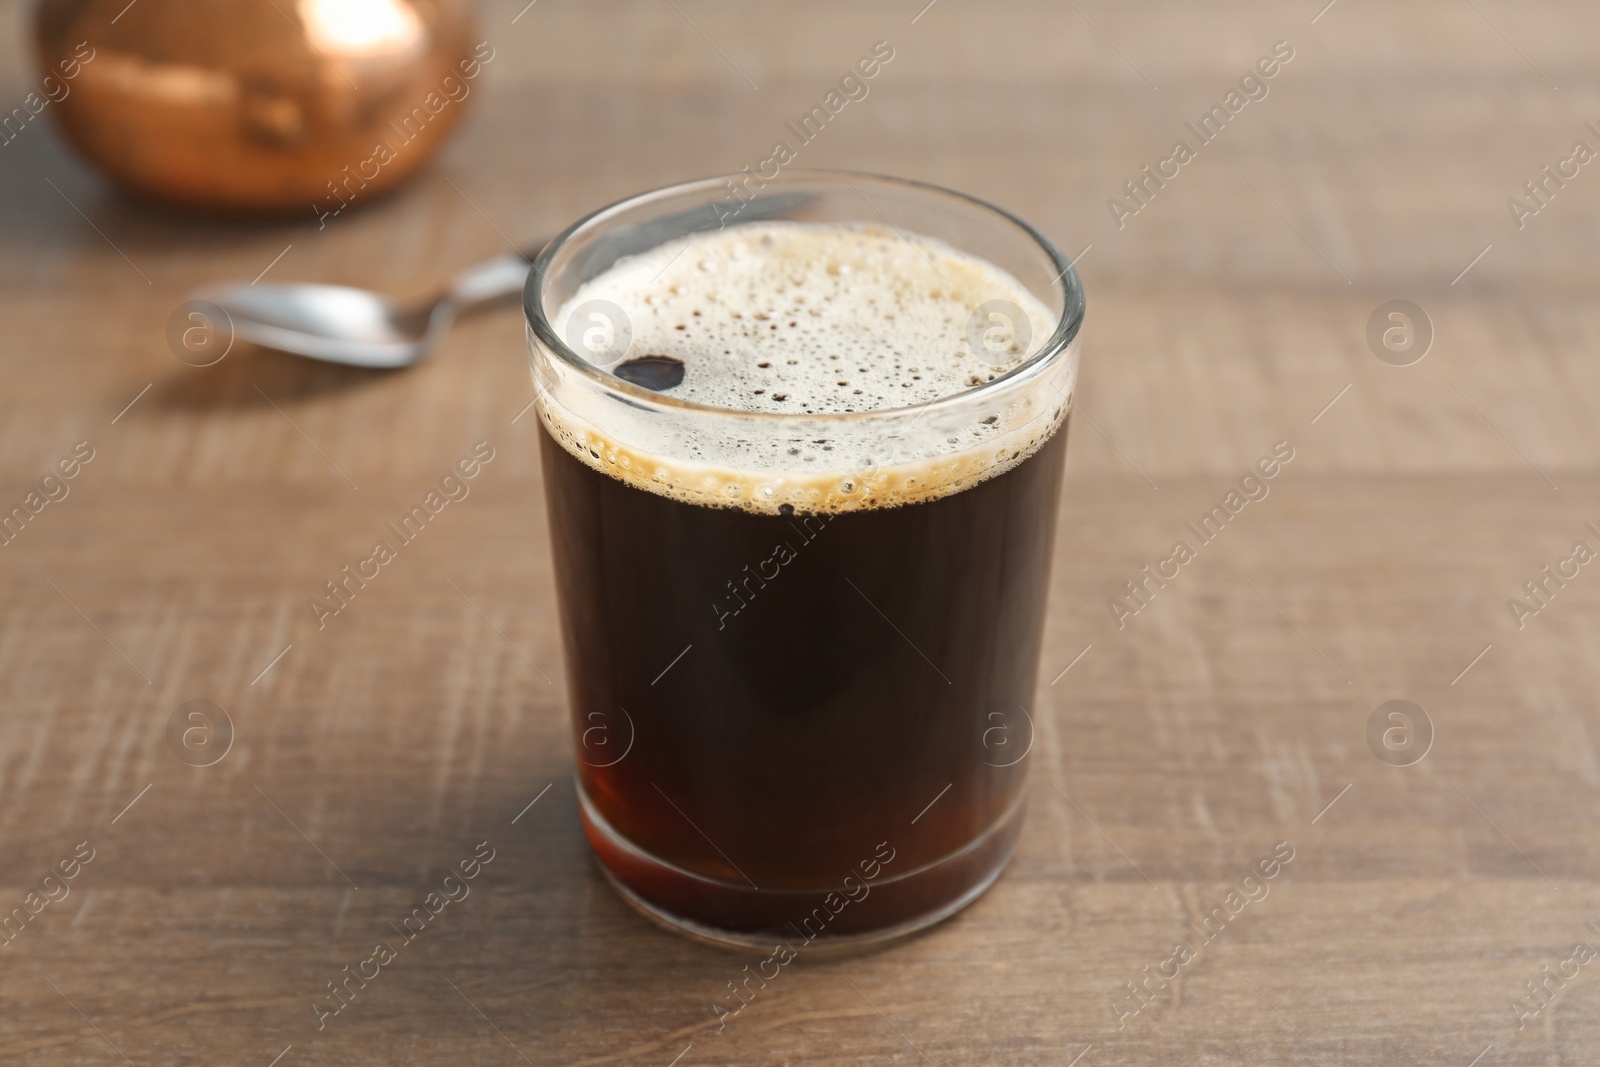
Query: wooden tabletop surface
{"x": 1227, "y": 718}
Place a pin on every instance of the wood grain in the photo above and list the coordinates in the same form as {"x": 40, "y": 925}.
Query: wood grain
{"x": 1176, "y": 752}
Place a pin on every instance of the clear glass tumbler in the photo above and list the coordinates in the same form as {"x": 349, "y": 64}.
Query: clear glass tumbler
{"x": 801, "y": 713}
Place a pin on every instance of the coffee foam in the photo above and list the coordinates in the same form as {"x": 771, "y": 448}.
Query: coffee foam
{"x": 804, "y": 320}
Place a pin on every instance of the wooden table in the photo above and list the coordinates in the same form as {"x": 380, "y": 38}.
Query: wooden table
{"x": 1229, "y": 715}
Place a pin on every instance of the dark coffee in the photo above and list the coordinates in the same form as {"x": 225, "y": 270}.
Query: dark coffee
{"x": 761, "y": 700}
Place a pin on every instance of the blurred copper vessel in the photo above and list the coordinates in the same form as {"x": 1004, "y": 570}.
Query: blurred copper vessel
{"x": 258, "y": 106}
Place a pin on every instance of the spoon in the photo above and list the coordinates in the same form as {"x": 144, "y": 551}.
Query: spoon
{"x": 361, "y": 328}
{"x": 358, "y": 327}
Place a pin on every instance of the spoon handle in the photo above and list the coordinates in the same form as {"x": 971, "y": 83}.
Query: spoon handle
{"x": 499, "y": 277}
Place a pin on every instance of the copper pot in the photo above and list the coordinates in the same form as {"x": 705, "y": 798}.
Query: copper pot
{"x": 258, "y": 106}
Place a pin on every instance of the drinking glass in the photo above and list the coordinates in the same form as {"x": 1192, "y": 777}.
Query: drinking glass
{"x": 801, "y": 649}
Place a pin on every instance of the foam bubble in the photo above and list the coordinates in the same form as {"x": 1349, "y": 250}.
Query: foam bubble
{"x": 811, "y": 319}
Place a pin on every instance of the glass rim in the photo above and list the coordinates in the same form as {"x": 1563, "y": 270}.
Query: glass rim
{"x": 1065, "y": 333}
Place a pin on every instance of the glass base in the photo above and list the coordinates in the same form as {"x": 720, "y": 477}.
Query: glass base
{"x": 733, "y": 915}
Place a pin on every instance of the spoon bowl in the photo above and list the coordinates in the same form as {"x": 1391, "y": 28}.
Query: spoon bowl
{"x": 358, "y": 327}
{"x": 335, "y": 323}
